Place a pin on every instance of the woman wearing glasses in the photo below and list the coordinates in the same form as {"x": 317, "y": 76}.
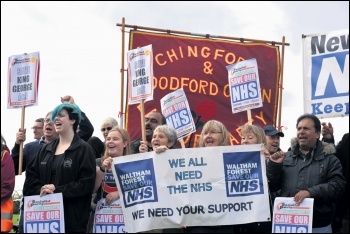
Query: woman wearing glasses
{"x": 107, "y": 124}
{"x": 214, "y": 133}
{"x": 252, "y": 134}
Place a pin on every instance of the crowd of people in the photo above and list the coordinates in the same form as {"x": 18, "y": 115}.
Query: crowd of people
{"x": 66, "y": 158}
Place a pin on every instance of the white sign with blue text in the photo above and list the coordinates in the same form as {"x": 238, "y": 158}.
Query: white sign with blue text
{"x": 176, "y": 110}
{"x": 292, "y": 217}
{"x": 244, "y": 85}
{"x": 326, "y": 74}
{"x": 44, "y": 214}
{"x": 193, "y": 187}
{"x": 23, "y": 80}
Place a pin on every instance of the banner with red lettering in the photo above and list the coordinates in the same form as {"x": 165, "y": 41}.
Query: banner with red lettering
{"x": 290, "y": 217}
{"x": 198, "y": 65}
{"x": 44, "y": 214}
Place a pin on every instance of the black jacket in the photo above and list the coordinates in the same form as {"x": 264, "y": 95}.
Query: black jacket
{"x": 31, "y": 149}
{"x": 321, "y": 176}
{"x": 75, "y": 180}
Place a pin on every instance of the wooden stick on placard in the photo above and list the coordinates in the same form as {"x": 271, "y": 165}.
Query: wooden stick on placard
{"x": 249, "y": 113}
{"x": 182, "y": 143}
{"x": 20, "y": 165}
{"x": 143, "y": 130}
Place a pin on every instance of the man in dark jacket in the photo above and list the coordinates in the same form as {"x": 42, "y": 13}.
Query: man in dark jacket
{"x": 309, "y": 170}
{"x": 152, "y": 120}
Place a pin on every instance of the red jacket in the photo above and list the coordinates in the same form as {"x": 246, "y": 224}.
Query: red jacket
{"x": 7, "y": 177}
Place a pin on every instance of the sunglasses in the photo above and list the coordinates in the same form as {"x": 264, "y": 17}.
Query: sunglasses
{"x": 104, "y": 129}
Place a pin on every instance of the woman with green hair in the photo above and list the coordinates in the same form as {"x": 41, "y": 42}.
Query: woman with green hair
{"x": 67, "y": 166}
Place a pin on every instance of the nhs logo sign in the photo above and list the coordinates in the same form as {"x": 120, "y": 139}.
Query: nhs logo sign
{"x": 136, "y": 181}
{"x": 326, "y": 74}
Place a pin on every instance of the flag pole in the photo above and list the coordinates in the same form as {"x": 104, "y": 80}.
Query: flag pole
{"x": 20, "y": 165}
{"x": 280, "y": 86}
{"x": 122, "y": 112}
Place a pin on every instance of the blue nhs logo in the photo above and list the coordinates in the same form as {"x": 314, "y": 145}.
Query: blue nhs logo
{"x": 329, "y": 75}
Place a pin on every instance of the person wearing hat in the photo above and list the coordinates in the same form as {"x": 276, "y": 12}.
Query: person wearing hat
{"x": 272, "y": 136}
{"x": 272, "y": 139}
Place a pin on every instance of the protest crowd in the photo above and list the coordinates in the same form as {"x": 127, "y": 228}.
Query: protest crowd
{"x": 66, "y": 158}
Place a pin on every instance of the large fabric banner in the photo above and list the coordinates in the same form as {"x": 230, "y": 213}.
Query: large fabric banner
{"x": 193, "y": 187}
{"x": 198, "y": 65}
{"x": 326, "y": 74}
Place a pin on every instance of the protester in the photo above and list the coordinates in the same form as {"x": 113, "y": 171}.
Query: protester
{"x": 117, "y": 144}
{"x": 152, "y": 120}
{"x": 164, "y": 137}
{"x": 252, "y": 134}
{"x": 7, "y": 187}
{"x": 327, "y": 132}
{"x": 31, "y": 149}
{"x": 97, "y": 145}
{"x": 107, "y": 124}
{"x": 214, "y": 133}
{"x": 38, "y": 128}
{"x": 309, "y": 170}
{"x": 67, "y": 166}
{"x": 272, "y": 139}
{"x": 85, "y": 128}
{"x": 340, "y": 222}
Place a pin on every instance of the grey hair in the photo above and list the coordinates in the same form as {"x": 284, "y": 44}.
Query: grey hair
{"x": 169, "y": 132}
{"x": 110, "y": 121}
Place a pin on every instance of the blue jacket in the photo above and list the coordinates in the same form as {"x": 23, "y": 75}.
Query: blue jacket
{"x": 30, "y": 150}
